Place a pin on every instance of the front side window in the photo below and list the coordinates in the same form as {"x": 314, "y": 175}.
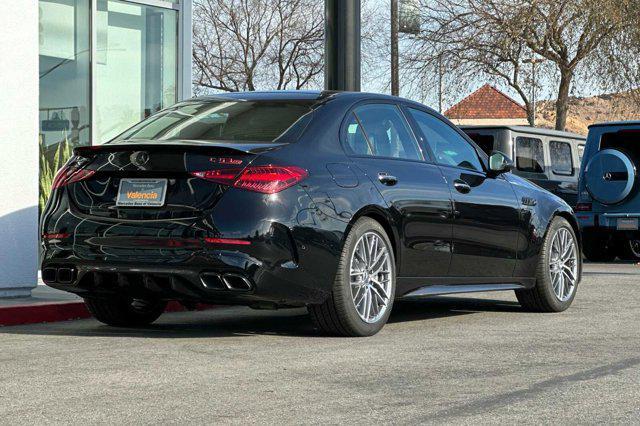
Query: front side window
{"x": 529, "y": 155}
{"x": 380, "y": 130}
{"x": 448, "y": 146}
{"x": 561, "y": 158}
{"x": 237, "y": 121}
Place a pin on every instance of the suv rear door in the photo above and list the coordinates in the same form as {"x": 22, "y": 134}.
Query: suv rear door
{"x": 610, "y": 181}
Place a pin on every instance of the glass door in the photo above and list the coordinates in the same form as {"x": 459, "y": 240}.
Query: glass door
{"x": 136, "y": 64}
{"x": 65, "y": 84}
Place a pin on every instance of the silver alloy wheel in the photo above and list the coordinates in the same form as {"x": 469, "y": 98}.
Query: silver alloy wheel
{"x": 563, "y": 264}
{"x": 371, "y": 277}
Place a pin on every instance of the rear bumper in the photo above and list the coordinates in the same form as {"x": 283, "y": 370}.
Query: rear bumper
{"x": 214, "y": 283}
{"x": 286, "y": 259}
{"x": 606, "y": 222}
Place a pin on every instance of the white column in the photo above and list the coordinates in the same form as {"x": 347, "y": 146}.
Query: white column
{"x": 185, "y": 42}
{"x": 19, "y": 166}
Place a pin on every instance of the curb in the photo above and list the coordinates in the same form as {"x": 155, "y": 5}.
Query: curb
{"x": 44, "y": 312}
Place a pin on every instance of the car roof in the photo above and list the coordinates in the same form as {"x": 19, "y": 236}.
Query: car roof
{"x": 268, "y": 95}
{"x": 296, "y": 95}
{"x": 310, "y": 95}
{"x": 527, "y": 129}
{"x": 616, "y": 123}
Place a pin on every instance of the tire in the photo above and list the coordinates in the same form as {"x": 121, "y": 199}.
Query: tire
{"x": 543, "y": 297}
{"x": 338, "y": 315}
{"x": 598, "y": 248}
{"x": 125, "y": 312}
{"x": 629, "y": 249}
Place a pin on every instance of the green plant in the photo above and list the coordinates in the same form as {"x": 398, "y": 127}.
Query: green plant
{"x": 51, "y": 160}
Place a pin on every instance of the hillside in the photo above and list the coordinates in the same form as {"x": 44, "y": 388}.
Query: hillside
{"x": 589, "y": 110}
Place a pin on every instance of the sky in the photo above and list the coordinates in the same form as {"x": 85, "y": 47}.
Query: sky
{"x": 376, "y": 73}
{"x": 377, "y": 79}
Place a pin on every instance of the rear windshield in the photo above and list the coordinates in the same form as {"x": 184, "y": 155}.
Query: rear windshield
{"x": 237, "y": 121}
{"x": 626, "y": 140}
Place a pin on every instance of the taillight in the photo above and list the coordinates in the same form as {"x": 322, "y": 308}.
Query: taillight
{"x": 223, "y": 176}
{"x": 227, "y": 241}
{"x": 584, "y": 207}
{"x": 70, "y": 174}
{"x": 56, "y": 236}
{"x": 266, "y": 179}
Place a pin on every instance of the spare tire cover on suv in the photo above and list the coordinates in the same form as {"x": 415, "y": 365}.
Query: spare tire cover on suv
{"x": 610, "y": 176}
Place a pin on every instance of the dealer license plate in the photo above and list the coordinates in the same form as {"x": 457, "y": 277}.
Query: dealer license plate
{"x": 630, "y": 224}
{"x": 141, "y": 193}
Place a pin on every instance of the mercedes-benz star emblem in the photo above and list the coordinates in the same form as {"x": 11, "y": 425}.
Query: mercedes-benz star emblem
{"x": 607, "y": 176}
{"x": 140, "y": 158}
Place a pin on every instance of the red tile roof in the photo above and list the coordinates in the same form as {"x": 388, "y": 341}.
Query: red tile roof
{"x": 486, "y": 102}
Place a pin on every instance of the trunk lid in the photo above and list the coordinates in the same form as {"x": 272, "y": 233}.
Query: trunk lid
{"x": 186, "y": 196}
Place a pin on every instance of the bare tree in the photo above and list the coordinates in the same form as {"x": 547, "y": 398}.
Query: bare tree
{"x": 257, "y": 44}
{"x": 618, "y": 66}
{"x": 456, "y": 39}
{"x": 495, "y": 36}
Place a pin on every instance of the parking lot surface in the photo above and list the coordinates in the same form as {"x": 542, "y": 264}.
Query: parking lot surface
{"x": 469, "y": 359}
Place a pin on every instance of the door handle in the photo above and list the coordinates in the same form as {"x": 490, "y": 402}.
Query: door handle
{"x": 387, "y": 179}
{"x": 461, "y": 186}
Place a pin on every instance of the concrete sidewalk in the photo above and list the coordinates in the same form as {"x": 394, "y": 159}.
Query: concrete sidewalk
{"x": 49, "y": 305}
{"x": 41, "y": 294}
{"x": 44, "y": 305}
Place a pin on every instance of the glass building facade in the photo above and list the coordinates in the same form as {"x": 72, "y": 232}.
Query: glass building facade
{"x": 103, "y": 66}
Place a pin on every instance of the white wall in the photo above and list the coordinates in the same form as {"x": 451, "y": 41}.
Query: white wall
{"x": 18, "y": 147}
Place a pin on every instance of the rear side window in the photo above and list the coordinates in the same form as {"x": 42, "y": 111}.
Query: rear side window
{"x": 448, "y": 146}
{"x": 580, "y": 152}
{"x": 380, "y": 130}
{"x": 237, "y": 121}
{"x": 561, "y": 158}
{"x": 354, "y": 137}
{"x": 529, "y": 155}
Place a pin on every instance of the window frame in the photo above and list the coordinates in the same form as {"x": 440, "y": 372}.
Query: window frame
{"x": 544, "y": 157}
{"x": 553, "y": 170}
{"x": 352, "y": 111}
{"x": 482, "y": 157}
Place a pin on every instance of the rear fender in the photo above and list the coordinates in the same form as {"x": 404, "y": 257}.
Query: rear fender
{"x": 382, "y": 216}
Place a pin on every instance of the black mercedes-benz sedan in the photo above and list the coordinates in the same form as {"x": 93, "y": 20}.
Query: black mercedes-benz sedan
{"x": 340, "y": 202}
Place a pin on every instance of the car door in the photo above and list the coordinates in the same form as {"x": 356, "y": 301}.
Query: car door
{"x": 383, "y": 145}
{"x": 486, "y": 209}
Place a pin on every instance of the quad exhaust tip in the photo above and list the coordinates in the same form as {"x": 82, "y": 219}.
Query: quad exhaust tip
{"x": 59, "y": 274}
{"x": 228, "y": 281}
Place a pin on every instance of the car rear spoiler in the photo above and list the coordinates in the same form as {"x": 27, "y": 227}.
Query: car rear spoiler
{"x": 179, "y": 146}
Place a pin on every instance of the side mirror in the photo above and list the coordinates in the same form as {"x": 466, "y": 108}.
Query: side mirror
{"x": 499, "y": 163}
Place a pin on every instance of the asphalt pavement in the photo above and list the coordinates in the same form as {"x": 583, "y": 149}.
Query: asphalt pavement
{"x": 469, "y": 359}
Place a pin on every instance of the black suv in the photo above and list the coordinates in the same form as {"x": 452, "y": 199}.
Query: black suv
{"x": 608, "y": 208}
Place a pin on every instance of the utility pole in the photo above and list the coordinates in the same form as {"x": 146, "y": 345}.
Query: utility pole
{"x": 342, "y": 45}
{"x": 440, "y": 82}
{"x": 395, "y": 73}
{"x": 533, "y": 62}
